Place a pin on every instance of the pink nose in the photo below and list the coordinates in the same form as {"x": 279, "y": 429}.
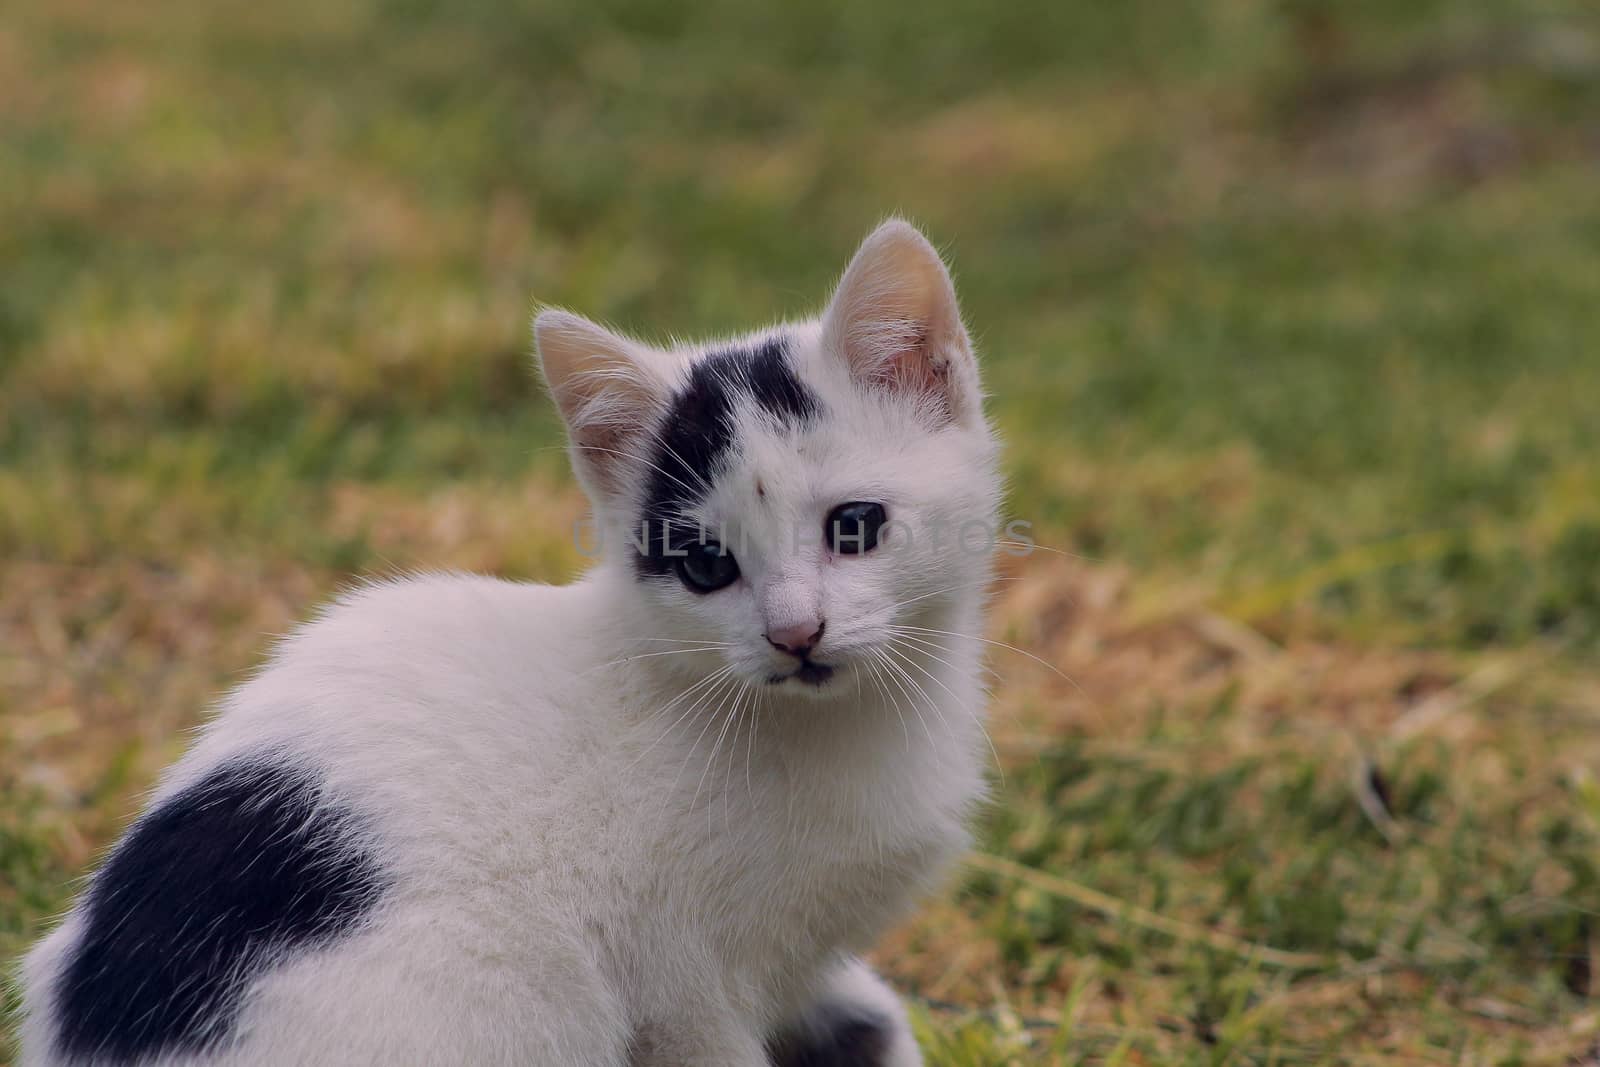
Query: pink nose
{"x": 796, "y": 640}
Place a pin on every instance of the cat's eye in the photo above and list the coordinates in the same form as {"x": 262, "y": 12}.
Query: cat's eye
{"x": 706, "y": 566}
{"x": 853, "y": 528}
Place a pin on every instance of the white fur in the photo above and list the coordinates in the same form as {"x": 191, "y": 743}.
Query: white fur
{"x": 595, "y": 843}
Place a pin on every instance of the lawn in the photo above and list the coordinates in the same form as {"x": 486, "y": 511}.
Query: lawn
{"x": 1290, "y": 314}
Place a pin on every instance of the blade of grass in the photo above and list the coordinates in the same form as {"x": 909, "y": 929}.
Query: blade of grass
{"x": 1113, "y": 907}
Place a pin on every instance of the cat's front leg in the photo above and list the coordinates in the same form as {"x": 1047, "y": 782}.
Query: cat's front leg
{"x": 856, "y": 1021}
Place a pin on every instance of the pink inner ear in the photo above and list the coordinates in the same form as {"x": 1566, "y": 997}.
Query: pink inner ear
{"x": 608, "y": 450}
{"x": 912, "y": 368}
{"x": 894, "y": 318}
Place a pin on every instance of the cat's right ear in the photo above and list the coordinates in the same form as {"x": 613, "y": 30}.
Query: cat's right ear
{"x": 606, "y": 392}
{"x": 895, "y": 320}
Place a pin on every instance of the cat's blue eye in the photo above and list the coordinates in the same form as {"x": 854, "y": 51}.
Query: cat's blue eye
{"x": 706, "y": 566}
{"x": 853, "y": 528}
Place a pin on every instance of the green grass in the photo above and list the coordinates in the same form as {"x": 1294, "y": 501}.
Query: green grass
{"x": 1291, "y": 317}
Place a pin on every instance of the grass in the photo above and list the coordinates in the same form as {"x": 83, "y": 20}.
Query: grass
{"x": 1289, "y": 311}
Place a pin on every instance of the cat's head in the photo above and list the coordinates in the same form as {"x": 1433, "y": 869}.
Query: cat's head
{"x": 785, "y": 500}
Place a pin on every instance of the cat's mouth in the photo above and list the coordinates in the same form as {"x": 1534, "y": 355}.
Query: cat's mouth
{"x": 810, "y": 673}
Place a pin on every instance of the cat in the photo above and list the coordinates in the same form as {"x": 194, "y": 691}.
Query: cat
{"x": 647, "y": 818}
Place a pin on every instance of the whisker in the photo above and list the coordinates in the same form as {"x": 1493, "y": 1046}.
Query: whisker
{"x": 706, "y": 683}
{"x": 648, "y": 463}
{"x": 674, "y": 454}
{"x": 883, "y": 695}
{"x": 1032, "y": 545}
{"x": 749, "y": 745}
{"x": 930, "y": 646}
{"x": 977, "y": 717}
{"x": 721, "y": 694}
{"x": 1092, "y": 707}
{"x": 932, "y": 704}
{"x": 727, "y": 776}
{"x": 647, "y": 655}
{"x": 999, "y": 644}
{"x": 895, "y": 674}
{"x": 952, "y": 588}
{"x": 902, "y": 673}
{"x": 716, "y": 746}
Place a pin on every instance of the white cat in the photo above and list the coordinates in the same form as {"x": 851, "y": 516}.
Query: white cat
{"x": 646, "y": 818}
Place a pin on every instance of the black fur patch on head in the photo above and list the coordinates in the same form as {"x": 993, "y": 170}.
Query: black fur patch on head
{"x": 203, "y": 893}
{"x": 698, "y": 430}
{"x": 838, "y": 1037}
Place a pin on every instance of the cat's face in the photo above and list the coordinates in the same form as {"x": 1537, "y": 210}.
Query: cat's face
{"x": 789, "y": 502}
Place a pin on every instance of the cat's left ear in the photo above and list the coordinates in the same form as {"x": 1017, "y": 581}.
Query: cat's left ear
{"x": 895, "y": 321}
{"x": 606, "y": 391}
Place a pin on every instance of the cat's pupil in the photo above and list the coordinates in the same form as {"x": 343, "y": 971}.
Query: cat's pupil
{"x": 707, "y": 566}
{"x": 853, "y": 528}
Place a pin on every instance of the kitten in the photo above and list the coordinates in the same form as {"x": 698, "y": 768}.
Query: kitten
{"x": 646, "y": 818}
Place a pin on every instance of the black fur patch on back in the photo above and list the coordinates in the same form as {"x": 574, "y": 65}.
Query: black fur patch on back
{"x": 203, "y": 893}
{"x": 839, "y": 1037}
{"x": 698, "y": 430}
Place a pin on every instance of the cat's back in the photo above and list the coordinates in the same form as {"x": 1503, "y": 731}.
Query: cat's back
{"x": 418, "y": 662}
{"x": 374, "y": 762}
{"x": 448, "y": 705}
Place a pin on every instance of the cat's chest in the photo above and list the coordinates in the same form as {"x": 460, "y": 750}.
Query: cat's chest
{"x": 822, "y": 866}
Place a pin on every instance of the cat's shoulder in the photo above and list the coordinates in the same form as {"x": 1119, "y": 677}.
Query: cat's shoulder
{"x": 424, "y": 610}
{"x": 388, "y": 643}
{"x": 399, "y": 666}
{"x": 428, "y": 598}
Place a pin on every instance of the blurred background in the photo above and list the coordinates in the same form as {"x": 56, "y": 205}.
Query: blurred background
{"x": 1290, "y": 310}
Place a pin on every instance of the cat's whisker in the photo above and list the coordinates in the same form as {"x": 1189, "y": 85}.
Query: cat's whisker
{"x": 1033, "y": 546}
{"x": 721, "y": 711}
{"x": 673, "y": 453}
{"x": 647, "y": 655}
{"x": 749, "y": 746}
{"x": 736, "y": 720}
{"x": 883, "y": 694}
{"x": 930, "y": 647}
{"x": 634, "y": 457}
{"x": 670, "y": 652}
{"x": 703, "y": 686}
{"x": 953, "y": 588}
{"x": 883, "y": 659}
{"x": 875, "y": 672}
{"x": 741, "y": 707}
{"x": 989, "y": 674}
{"x": 718, "y": 696}
{"x": 1051, "y": 667}
{"x": 977, "y": 715}
{"x": 933, "y": 705}
{"x": 902, "y": 644}
{"x": 716, "y": 675}
{"x": 729, "y": 716}
{"x": 696, "y": 491}
{"x": 906, "y": 683}
{"x": 710, "y": 699}
{"x": 921, "y": 633}
{"x": 758, "y": 698}
{"x": 708, "y": 683}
